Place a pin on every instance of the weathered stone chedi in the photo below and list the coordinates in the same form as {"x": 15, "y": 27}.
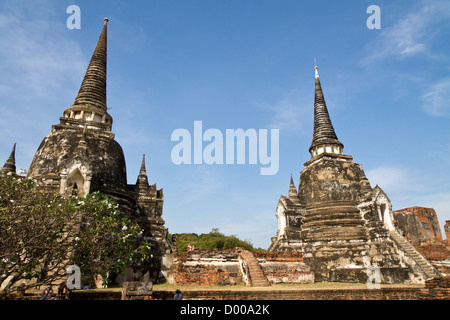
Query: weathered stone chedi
{"x": 342, "y": 225}
{"x": 80, "y": 155}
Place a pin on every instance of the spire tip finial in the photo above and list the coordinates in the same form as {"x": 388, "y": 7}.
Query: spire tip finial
{"x": 315, "y": 68}
{"x": 143, "y": 171}
{"x": 106, "y": 20}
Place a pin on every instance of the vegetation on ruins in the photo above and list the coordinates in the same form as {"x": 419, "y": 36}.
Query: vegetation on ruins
{"x": 210, "y": 241}
{"x": 41, "y": 234}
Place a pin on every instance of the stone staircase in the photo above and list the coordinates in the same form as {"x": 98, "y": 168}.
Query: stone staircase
{"x": 425, "y": 266}
{"x": 254, "y": 273}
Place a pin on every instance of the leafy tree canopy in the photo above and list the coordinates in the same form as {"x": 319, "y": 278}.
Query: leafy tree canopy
{"x": 42, "y": 233}
{"x": 211, "y": 241}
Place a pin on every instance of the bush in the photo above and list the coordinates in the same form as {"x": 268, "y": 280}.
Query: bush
{"x": 211, "y": 241}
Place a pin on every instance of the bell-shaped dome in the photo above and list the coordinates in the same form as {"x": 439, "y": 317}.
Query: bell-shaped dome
{"x": 98, "y": 157}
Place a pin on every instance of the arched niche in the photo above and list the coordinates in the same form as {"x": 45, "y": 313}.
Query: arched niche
{"x": 384, "y": 209}
{"x": 75, "y": 183}
{"x": 282, "y": 220}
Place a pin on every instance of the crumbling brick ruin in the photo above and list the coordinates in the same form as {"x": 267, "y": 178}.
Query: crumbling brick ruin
{"x": 420, "y": 226}
{"x": 239, "y": 266}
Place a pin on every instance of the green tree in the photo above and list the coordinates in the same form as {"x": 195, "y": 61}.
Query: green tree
{"x": 211, "y": 241}
{"x": 42, "y": 233}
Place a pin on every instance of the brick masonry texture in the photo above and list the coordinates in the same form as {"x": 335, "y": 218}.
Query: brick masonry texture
{"x": 418, "y": 224}
{"x": 135, "y": 290}
{"x": 222, "y": 268}
{"x": 436, "y": 289}
{"x": 206, "y": 268}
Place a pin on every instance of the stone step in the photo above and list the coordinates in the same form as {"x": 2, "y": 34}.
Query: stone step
{"x": 412, "y": 252}
{"x": 255, "y": 274}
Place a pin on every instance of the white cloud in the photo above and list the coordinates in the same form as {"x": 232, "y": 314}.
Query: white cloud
{"x": 291, "y": 111}
{"x": 37, "y": 56}
{"x": 437, "y": 99}
{"x": 411, "y": 35}
{"x": 389, "y": 178}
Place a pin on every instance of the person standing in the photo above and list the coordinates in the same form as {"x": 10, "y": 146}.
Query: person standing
{"x": 62, "y": 291}
{"x": 178, "y": 295}
{"x": 47, "y": 294}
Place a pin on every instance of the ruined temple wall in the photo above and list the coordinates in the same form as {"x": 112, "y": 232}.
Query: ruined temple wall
{"x": 206, "y": 268}
{"x": 447, "y": 230}
{"x": 284, "y": 267}
{"x": 209, "y": 268}
{"x": 418, "y": 224}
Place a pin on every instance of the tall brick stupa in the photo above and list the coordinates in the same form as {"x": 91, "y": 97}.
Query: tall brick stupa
{"x": 343, "y": 226}
{"x": 80, "y": 155}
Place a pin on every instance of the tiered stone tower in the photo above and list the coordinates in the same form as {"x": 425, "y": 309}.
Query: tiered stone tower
{"x": 81, "y": 155}
{"x": 342, "y": 225}
{"x": 10, "y": 164}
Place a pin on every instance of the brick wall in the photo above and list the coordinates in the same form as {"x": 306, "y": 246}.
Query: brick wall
{"x": 135, "y": 290}
{"x": 434, "y": 251}
{"x": 436, "y": 289}
{"x": 203, "y": 275}
{"x": 206, "y": 268}
{"x": 284, "y": 267}
{"x": 438, "y": 253}
{"x": 279, "y": 256}
{"x": 418, "y": 224}
{"x": 447, "y": 230}
{"x": 222, "y": 268}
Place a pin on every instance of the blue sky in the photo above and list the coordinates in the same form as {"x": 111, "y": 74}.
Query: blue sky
{"x": 241, "y": 64}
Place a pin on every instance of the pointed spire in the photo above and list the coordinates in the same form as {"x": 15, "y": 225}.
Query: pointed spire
{"x": 364, "y": 181}
{"x": 142, "y": 178}
{"x": 143, "y": 171}
{"x": 90, "y": 103}
{"x": 93, "y": 88}
{"x": 10, "y": 164}
{"x": 315, "y": 69}
{"x": 323, "y": 128}
{"x": 292, "y": 189}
